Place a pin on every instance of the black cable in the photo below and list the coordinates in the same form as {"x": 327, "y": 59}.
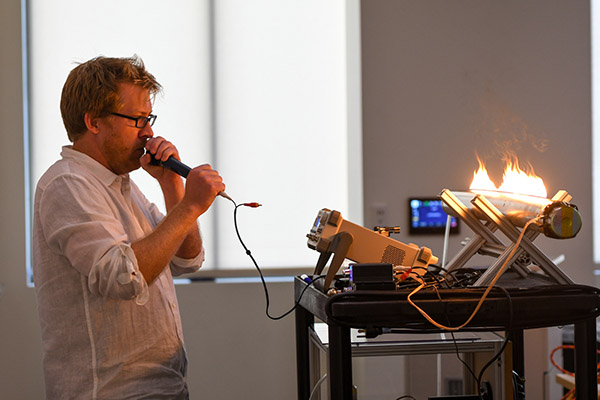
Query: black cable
{"x": 439, "y": 280}
{"x": 456, "y": 344}
{"x": 477, "y": 380}
{"x": 262, "y": 278}
{"x": 439, "y": 268}
{"x": 433, "y": 279}
{"x": 497, "y": 355}
{"x": 467, "y": 278}
{"x": 508, "y": 330}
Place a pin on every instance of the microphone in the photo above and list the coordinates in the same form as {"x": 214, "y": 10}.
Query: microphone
{"x": 173, "y": 164}
{"x": 180, "y": 169}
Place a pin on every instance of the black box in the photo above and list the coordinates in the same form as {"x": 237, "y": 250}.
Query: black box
{"x": 376, "y": 276}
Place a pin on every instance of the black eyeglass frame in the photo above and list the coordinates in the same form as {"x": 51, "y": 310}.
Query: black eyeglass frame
{"x": 140, "y": 122}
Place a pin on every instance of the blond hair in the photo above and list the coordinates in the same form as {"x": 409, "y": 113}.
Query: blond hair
{"x": 92, "y": 87}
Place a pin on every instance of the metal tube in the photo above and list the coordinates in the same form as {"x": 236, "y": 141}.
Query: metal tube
{"x": 559, "y": 219}
{"x": 517, "y": 208}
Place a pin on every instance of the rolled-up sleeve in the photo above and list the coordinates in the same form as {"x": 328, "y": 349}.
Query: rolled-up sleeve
{"x": 116, "y": 274}
{"x": 81, "y": 225}
{"x": 181, "y": 266}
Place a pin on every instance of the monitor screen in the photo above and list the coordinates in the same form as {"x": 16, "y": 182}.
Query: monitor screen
{"x": 427, "y": 216}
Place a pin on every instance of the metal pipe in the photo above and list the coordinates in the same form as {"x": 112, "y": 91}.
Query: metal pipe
{"x": 558, "y": 219}
{"x": 518, "y": 208}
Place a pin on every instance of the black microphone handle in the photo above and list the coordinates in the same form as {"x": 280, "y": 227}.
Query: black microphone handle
{"x": 173, "y": 164}
{"x": 180, "y": 169}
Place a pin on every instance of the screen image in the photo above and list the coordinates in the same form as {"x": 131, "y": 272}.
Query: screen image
{"x": 427, "y": 216}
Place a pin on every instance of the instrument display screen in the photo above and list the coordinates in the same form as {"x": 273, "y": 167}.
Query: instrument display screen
{"x": 427, "y": 216}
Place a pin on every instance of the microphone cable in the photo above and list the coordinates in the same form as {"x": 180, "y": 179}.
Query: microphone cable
{"x": 183, "y": 170}
{"x": 260, "y": 273}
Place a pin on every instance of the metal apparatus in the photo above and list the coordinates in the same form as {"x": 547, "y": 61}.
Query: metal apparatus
{"x": 331, "y": 234}
{"x": 556, "y": 218}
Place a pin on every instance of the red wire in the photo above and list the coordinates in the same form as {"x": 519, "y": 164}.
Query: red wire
{"x": 561, "y": 369}
{"x": 569, "y": 393}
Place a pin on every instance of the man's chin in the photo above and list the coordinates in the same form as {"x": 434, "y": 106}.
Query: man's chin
{"x": 135, "y": 165}
{"x": 131, "y": 166}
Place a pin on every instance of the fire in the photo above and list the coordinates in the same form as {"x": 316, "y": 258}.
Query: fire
{"x": 514, "y": 180}
{"x": 481, "y": 179}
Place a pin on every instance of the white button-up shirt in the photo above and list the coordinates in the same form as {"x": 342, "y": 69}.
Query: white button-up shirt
{"x": 106, "y": 334}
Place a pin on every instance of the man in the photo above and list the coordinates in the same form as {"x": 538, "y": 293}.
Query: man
{"x": 103, "y": 256}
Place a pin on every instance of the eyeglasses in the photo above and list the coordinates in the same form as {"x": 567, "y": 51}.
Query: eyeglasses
{"x": 140, "y": 122}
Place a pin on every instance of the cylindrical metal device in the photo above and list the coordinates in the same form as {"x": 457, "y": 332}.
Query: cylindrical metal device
{"x": 558, "y": 219}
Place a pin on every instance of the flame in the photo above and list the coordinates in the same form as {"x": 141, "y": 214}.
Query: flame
{"x": 514, "y": 180}
{"x": 481, "y": 179}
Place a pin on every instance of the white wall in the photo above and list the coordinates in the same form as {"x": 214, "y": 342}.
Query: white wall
{"x": 438, "y": 77}
{"x": 444, "y": 79}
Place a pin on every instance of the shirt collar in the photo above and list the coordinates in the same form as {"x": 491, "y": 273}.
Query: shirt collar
{"x": 105, "y": 175}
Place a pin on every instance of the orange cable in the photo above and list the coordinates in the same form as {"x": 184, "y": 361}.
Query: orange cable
{"x": 485, "y": 294}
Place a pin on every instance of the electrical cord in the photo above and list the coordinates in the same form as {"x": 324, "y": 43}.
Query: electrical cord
{"x": 468, "y": 277}
{"x": 561, "y": 369}
{"x": 446, "y": 240}
{"x": 433, "y": 279}
{"x": 483, "y": 297}
{"x": 506, "y": 338}
{"x": 438, "y": 280}
{"x": 467, "y": 366}
{"x": 260, "y": 273}
{"x": 569, "y": 395}
{"x": 439, "y": 268}
{"x": 317, "y": 385}
{"x": 478, "y": 379}
{"x": 564, "y": 371}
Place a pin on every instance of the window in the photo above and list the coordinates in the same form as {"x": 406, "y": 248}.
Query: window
{"x": 266, "y": 91}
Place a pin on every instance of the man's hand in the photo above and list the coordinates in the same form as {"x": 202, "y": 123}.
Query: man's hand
{"x": 202, "y": 187}
{"x": 162, "y": 149}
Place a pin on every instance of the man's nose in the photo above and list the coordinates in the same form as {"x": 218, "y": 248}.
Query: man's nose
{"x": 146, "y": 131}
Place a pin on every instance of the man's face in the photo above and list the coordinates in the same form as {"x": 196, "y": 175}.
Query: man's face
{"x": 121, "y": 142}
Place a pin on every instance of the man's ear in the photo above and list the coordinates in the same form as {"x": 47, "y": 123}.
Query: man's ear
{"x": 92, "y": 123}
